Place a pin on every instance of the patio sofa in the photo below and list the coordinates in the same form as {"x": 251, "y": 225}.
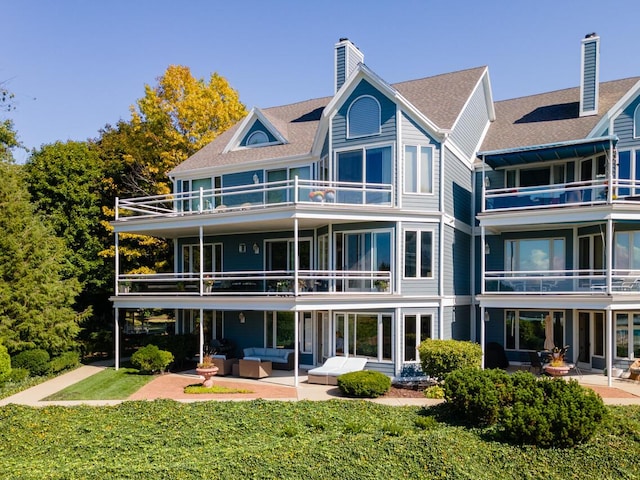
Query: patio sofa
{"x": 333, "y": 367}
{"x": 224, "y": 364}
{"x": 280, "y": 358}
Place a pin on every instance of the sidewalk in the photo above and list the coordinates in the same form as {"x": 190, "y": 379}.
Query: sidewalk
{"x": 277, "y": 387}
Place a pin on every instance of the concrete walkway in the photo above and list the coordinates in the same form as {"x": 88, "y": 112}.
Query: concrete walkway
{"x": 279, "y": 386}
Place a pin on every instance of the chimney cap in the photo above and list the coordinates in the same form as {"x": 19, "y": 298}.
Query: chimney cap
{"x": 590, "y": 35}
{"x": 343, "y": 39}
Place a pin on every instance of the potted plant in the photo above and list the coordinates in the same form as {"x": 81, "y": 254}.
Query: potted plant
{"x": 125, "y": 287}
{"x": 381, "y": 285}
{"x": 208, "y": 285}
{"x": 557, "y": 365}
{"x": 207, "y": 369}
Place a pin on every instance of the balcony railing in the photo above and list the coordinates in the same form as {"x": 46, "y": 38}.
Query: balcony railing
{"x": 574, "y": 193}
{"x": 256, "y": 196}
{"x": 561, "y": 282}
{"x": 256, "y": 283}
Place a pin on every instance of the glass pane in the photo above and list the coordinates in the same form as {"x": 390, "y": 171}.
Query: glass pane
{"x": 366, "y": 336}
{"x": 622, "y": 251}
{"x": 277, "y": 193}
{"x": 378, "y": 172}
{"x": 410, "y": 168}
{"x": 624, "y": 170}
{"x": 410, "y": 251}
{"x": 635, "y": 260}
{"x": 285, "y": 327}
{"x": 558, "y": 254}
{"x": 307, "y": 332}
{"x": 533, "y": 255}
{"x": 558, "y": 329}
{"x": 383, "y": 251}
{"x": 598, "y": 334}
{"x": 531, "y": 330}
{"x": 622, "y": 335}
{"x": 426, "y": 177}
{"x": 269, "y": 330}
{"x": 425, "y": 254}
{"x": 277, "y": 255}
{"x": 510, "y": 329}
{"x": 386, "y": 337}
{"x": 350, "y": 166}
{"x": 636, "y": 335}
{"x": 339, "y": 335}
{"x": 208, "y": 258}
{"x": 531, "y": 177}
{"x": 425, "y": 327}
{"x": 196, "y": 185}
{"x": 410, "y": 343}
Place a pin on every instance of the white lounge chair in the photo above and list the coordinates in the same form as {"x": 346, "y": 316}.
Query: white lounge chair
{"x": 333, "y": 367}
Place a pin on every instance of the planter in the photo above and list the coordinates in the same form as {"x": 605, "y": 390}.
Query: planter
{"x": 557, "y": 371}
{"x": 207, "y": 373}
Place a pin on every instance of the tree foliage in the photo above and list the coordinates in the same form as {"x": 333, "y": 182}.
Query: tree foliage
{"x": 36, "y": 296}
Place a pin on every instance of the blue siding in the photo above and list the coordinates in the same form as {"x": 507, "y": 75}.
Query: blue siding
{"x": 458, "y": 178}
{"x": 623, "y": 127}
{"x": 341, "y": 68}
{"x": 457, "y": 262}
{"x": 387, "y": 119}
{"x": 458, "y": 322}
{"x": 590, "y": 76}
{"x": 258, "y": 125}
{"x": 472, "y": 123}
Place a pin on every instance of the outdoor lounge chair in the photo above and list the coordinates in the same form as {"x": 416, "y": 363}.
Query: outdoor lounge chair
{"x": 333, "y": 367}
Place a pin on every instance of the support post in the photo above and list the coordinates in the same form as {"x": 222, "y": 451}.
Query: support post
{"x": 116, "y": 337}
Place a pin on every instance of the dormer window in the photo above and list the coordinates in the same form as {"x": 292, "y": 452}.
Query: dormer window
{"x": 363, "y": 117}
{"x": 257, "y": 138}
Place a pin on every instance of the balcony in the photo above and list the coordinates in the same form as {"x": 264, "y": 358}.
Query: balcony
{"x": 595, "y": 192}
{"x": 562, "y": 282}
{"x": 256, "y": 196}
{"x": 280, "y": 283}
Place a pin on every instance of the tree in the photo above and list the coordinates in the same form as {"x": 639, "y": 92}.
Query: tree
{"x": 36, "y": 296}
{"x": 64, "y": 180}
{"x": 8, "y": 136}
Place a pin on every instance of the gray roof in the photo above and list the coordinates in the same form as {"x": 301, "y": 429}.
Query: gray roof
{"x": 440, "y": 98}
{"x": 549, "y": 117}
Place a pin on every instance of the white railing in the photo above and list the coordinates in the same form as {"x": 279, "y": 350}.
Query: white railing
{"x": 561, "y": 282}
{"x": 256, "y": 196}
{"x": 256, "y": 283}
{"x": 574, "y": 193}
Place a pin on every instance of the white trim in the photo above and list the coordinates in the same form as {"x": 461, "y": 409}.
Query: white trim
{"x": 246, "y": 124}
{"x": 636, "y": 122}
{"x": 418, "y": 253}
{"x": 402, "y": 156}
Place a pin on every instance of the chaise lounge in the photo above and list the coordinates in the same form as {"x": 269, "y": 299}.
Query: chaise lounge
{"x": 333, "y": 367}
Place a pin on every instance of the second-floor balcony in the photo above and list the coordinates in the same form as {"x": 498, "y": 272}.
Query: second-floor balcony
{"x": 553, "y": 282}
{"x": 595, "y": 192}
{"x": 282, "y": 283}
{"x": 257, "y": 196}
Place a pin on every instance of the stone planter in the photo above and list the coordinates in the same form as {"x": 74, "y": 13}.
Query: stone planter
{"x": 208, "y": 373}
{"x": 557, "y": 371}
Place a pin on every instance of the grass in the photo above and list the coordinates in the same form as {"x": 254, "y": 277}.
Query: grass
{"x": 214, "y": 389}
{"x": 289, "y": 440}
{"x": 108, "y": 384}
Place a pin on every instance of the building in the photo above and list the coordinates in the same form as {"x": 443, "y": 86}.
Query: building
{"x": 361, "y": 223}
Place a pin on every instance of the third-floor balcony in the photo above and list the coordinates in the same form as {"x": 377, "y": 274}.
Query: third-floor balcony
{"x": 257, "y": 196}
{"x": 572, "y": 194}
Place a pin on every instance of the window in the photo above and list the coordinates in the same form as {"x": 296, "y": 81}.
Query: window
{"x": 627, "y": 254}
{"x": 363, "y": 117}
{"x": 525, "y": 329}
{"x": 418, "y": 169}
{"x": 538, "y": 176}
{"x": 371, "y": 166}
{"x": 279, "y": 330}
{"x": 418, "y": 248}
{"x": 627, "y": 334}
{"x": 363, "y": 251}
{"x": 256, "y": 138}
{"x": 636, "y": 122}
{"x": 629, "y": 169}
{"x": 278, "y": 180}
{"x": 212, "y": 255}
{"x": 191, "y": 194}
{"x": 364, "y": 335}
{"x": 417, "y": 328}
{"x": 538, "y": 254}
{"x": 306, "y": 332}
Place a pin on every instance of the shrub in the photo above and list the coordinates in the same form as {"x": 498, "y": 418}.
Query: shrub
{"x": 554, "y": 413}
{"x": 365, "y": 384}
{"x": 5, "y": 363}
{"x": 65, "y": 361}
{"x": 434, "y": 391}
{"x": 18, "y": 375}
{"x": 36, "y": 361}
{"x": 440, "y": 357}
{"x": 477, "y": 395}
{"x": 151, "y": 359}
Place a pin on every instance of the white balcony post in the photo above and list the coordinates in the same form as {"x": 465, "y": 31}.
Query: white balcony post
{"x": 201, "y": 236}
{"x": 296, "y": 349}
{"x": 296, "y": 263}
{"x": 482, "y": 260}
{"x": 116, "y": 338}
{"x": 483, "y": 312}
{"x": 201, "y": 202}
{"x": 610, "y": 173}
{"x": 609, "y": 254}
{"x": 609, "y": 346}
{"x": 296, "y": 195}
{"x": 117, "y": 260}
{"x": 201, "y": 335}
{"x": 117, "y": 207}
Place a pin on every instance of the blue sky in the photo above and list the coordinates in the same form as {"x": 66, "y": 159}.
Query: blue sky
{"x": 75, "y": 66}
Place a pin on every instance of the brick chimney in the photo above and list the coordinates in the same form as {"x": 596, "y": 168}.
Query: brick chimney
{"x": 589, "y": 75}
{"x": 347, "y": 59}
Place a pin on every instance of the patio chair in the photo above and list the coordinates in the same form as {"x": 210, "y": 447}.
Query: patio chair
{"x": 535, "y": 362}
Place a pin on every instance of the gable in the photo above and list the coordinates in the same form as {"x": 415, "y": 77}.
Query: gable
{"x": 253, "y": 133}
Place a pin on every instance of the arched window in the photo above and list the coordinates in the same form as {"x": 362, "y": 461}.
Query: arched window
{"x": 363, "y": 117}
{"x": 257, "y": 137}
{"x": 636, "y": 122}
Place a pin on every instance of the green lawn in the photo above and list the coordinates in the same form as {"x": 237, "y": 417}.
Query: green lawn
{"x": 108, "y": 384}
{"x": 346, "y": 439}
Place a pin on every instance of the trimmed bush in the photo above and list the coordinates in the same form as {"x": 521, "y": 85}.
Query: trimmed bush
{"x": 18, "y": 375}
{"x": 440, "y": 357}
{"x": 5, "y": 363}
{"x": 151, "y": 359}
{"x": 554, "y": 414}
{"x": 364, "y": 384}
{"x": 477, "y": 395}
{"x": 66, "y": 361}
{"x": 36, "y": 361}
